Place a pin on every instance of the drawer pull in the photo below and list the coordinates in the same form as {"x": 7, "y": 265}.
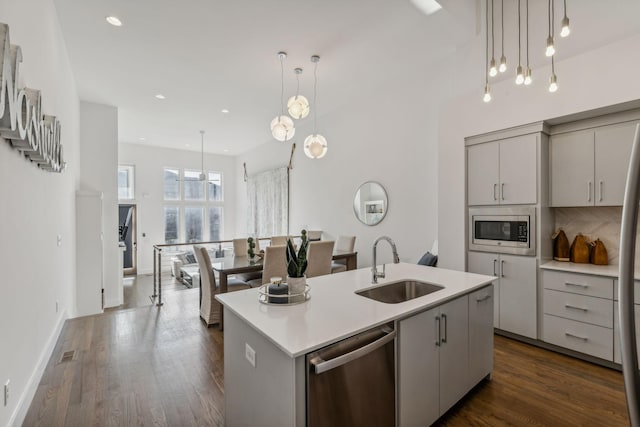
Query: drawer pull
{"x": 569, "y": 334}
{"x": 484, "y": 298}
{"x": 576, "y": 307}
{"x": 576, "y": 285}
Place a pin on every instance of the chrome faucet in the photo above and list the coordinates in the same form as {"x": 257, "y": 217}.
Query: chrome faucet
{"x": 374, "y": 269}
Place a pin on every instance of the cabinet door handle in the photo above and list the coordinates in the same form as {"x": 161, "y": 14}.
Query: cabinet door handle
{"x": 576, "y": 285}
{"x": 600, "y": 185}
{"x": 502, "y": 268}
{"x": 589, "y": 191}
{"x": 495, "y": 187}
{"x": 569, "y": 334}
{"x": 438, "y": 331}
{"x": 576, "y": 307}
{"x": 444, "y": 320}
{"x": 495, "y": 261}
{"x": 502, "y": 191}
{"x": 483, "y": 298}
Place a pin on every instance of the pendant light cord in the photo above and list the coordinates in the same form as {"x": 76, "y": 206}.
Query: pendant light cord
{"x": 519, "y": 42}
{"x": 281, "y": 86}
{"x": 486, "y": 57}
{"x": 527, "y": 21}
{"x": 502, "y": 31}
{"x": 493, "y": 33}
{"x": 202, "y": 151}
{"x": 315, "y": 98}
{"x": 550, "y": 18}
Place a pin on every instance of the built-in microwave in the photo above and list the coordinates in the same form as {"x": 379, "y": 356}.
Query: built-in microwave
{"x": 510, "y": 230}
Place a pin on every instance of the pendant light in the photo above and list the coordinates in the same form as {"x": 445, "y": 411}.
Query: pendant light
{"x": 493, "y": 70}
{"x": 503, "y": 59}
{"x": 315, "y": 145}
{"x": 519, "y": 72}
{"x": 298, "y": 105}
{"x": 487, "y": 89}
{"x": 553, "y": 80}
{"x": 527, "y": 70}
{"x": 282, "y": 127}
{"x": 550, "y": 47}
{"x": 565, "y": 31}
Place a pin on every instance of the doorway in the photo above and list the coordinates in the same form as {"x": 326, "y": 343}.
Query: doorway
{"x": 127, "y": 229}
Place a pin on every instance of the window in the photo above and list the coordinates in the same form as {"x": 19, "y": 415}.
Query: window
{"x": 215, "y": 186}
{"x": 193, "y": 209}
{"x": 125, "y": 182}
{"x": 171, "y": 184}
{"x": 193, "y": 187}
{"x": 215, "y": 223}
{"x": 193, "y": 224}
{"x": 171, "y": 222}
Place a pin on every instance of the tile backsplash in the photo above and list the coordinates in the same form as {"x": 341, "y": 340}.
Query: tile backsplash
{"x": 593, "y": 223}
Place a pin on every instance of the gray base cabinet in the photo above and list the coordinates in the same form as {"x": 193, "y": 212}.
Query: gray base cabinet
{"x": 442, "y": 354}
{"x": 516, "y": 290}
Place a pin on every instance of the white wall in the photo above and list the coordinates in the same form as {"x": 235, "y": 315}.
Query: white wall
{"x": 598, "y": 78}
{"x": 386, "y": 131}
{"x": 149, "y": 163}
{"x": 36, "y": 207}
{"x": 99, "y": 160}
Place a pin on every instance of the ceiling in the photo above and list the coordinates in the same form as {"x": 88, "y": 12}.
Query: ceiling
{"x": 208, "y": 55}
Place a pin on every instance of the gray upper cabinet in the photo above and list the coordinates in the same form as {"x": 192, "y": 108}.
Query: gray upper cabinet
{"x": 589, "y": 167}
{"x": 502, "y": 172}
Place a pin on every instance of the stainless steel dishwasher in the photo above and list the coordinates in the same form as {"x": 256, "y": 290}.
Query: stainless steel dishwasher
{"x": 352, "y": 382}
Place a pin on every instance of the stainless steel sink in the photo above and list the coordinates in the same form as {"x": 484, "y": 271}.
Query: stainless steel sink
{"x": 404, "y": 290}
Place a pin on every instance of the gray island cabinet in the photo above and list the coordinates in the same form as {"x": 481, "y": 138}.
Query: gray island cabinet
{"x": 443, "y": 344}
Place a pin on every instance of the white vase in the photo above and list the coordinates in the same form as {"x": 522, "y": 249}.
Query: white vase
{"x": 296, "y": 288}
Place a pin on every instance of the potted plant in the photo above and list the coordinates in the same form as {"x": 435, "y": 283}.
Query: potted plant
{"x": 251, "y": 246}
{"x": 297, "y": 265}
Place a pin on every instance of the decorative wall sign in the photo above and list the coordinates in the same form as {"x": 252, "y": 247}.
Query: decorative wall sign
{"x": 22, "y": 123}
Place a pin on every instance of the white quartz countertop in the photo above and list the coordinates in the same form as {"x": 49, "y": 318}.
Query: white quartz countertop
{"x": 335, "y": 311}
{"x": 595, "y": 270}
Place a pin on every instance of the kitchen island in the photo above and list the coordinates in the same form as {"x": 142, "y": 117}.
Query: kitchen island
{"x": 265, "y": 345}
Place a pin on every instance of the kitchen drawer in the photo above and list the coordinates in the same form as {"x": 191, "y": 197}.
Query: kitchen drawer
{"x": 597, "y": 311}
{"x": 636, "y": 291}
{"x": 583, "y": 337}
{"x": 583, "y": 284}
{"x": 616, "y": 333}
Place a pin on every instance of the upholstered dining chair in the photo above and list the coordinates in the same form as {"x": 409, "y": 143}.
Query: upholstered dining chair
{"x": 273, "y": 265}
{"x": 343, "y": 244}
{"x": 240, "y": 248}
{"x": 279, "y": 240}
{"x": 319, "y": 258}
{"x": 314, "y": 235}
{"x": 210, "y": 309}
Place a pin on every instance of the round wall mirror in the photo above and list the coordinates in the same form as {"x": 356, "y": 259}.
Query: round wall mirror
{"x": 370, "y": 203}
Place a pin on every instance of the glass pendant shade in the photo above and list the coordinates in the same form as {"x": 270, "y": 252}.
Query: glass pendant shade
{"x": 565, "y": 31}
{"x": 315, "y": 146}
{"x": 527, "y": 76}
{"x": 282, "y": 128}
{"x": 550, "y": 48}
{"x": 503, "y": 64}
{"x": 519, "y": 75}
{"x": 298, "y": 107}
{"x": 487, "y": 93}
{"x": 553, "y": 83}
{"x": 493, "y": 70}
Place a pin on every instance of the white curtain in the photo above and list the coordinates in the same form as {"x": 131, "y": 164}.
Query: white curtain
{"x": 268, "y": 203}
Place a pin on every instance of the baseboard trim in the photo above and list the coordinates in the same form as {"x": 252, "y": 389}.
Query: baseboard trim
{"x": 18, "y": 416}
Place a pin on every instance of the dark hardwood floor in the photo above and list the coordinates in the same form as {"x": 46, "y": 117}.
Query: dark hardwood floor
{"x": 162, "y": 366}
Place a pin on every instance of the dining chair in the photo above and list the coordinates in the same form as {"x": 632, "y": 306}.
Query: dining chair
{"x": 273, "y": 265}
{"x": 279, "y": 240}
{"x": 210, "y": 309}
{"x": 343, "y": 244}
{"x": 314, "y": 235}
{"x": 240, "y": 246}
{"x": 319, "y": 258}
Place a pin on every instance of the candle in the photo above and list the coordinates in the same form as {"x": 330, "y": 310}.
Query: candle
{"x": 278, "y": 289}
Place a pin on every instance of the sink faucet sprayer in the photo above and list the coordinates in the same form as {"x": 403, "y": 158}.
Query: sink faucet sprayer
{"x": 396, "y": 259}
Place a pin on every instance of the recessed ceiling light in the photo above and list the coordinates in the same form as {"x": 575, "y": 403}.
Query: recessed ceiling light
{"x": 114, "y": 21}
{"x": 142, "y": 138}
{"x": 224, "y": 110}
{"x": 428, "y": 7}
{"x": 160, "y": 96}
{"x": 225, "y": 150}
{"x": 187, "y": 145}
